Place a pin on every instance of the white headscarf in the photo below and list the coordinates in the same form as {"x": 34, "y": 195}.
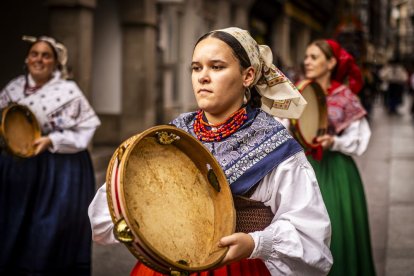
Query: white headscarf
{"x": 279, "y": 96}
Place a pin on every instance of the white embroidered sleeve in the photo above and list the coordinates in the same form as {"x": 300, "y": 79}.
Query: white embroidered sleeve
{"x": 71, "y": 140}
{"x": 297, "y": 241}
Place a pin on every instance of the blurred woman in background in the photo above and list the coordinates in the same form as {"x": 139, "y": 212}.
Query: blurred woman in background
{"x": 348, "y": 135}
{"x": 44, "y": 198}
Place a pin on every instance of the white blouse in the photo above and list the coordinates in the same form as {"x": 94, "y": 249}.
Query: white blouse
{"x": 353, "y": 140}
{"x": 61, "y": 109}
{"x": 295, "y": 243}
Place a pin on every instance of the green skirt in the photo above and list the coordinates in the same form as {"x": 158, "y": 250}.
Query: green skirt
{"x": 344, "y": 197}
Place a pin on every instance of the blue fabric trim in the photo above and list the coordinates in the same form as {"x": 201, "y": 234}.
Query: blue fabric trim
{"x": 256, "y": 173}
{"x": 249, "y": 154}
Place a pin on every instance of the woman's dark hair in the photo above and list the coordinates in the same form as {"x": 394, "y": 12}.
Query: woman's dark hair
{"x": 325, "y": 48}
{"x": 240, "y": 54}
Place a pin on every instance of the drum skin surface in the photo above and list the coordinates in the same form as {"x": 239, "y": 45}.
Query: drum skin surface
{"x": 19, "y": 129}
{"x": 311, "y": 116}
{"x": 164, "y": 193}
{"x": 314, "y": 120}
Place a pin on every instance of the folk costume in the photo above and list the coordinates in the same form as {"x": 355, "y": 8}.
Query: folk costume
{"x": 44, "y": 199}
{"x": 275, "y": 191}
{"x": 338, "y": 175}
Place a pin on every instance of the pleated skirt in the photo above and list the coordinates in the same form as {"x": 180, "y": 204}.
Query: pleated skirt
{"x": 43, "y": 214}
{"x": 343, "y": 193}
{"x": 245, "y": 267}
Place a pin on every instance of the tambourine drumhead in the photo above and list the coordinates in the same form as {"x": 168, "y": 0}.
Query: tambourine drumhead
{"x": 165, "y": 195}
{"x": 309, "y": 122}
{"x": 19, "y": 129}
{"x": 314, "y": 120}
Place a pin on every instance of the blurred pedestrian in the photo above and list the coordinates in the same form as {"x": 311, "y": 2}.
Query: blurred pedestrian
{"x": 411, "y": 85}
{"x": 229, "y": 70}
{"x": 396, "y": 77}
{"x": 44, "y": 199}
{"x": 348, "y": 135}
{"x": 369, "y": 89}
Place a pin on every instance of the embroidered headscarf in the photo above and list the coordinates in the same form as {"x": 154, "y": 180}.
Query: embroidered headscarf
{"x": 60, "y": 50}
{"x": 279, "y": 96}
{"x": 346, "y": 67}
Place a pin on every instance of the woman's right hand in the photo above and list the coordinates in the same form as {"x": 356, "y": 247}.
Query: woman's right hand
{"x": 41, "y": 144}
{"x": 326, "y": 141}
{"x": 241, "y": 246}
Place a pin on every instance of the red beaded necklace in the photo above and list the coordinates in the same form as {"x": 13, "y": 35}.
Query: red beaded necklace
{"x": 219, "y": 131}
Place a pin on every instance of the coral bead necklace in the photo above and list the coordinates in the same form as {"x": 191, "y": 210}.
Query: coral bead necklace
{"x": 216, "y": 132}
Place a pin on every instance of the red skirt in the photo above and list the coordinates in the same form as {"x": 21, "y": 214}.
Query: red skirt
{"x": 245, "y": 267}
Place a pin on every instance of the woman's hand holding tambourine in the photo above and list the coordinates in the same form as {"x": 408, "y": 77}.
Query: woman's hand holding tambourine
{"x": 326, "y": 141}
{"x": 41, "y": 144}
{"x": 241, "y": 246}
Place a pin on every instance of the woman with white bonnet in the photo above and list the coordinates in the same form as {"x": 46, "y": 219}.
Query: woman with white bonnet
{"x": 44, "y": 198}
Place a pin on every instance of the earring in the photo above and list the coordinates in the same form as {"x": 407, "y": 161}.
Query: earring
{"x": 247, "y": 95}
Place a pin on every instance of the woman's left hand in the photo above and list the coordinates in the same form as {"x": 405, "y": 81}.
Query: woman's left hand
{"x": 326, "y": 141}
{"x": 241, "y": 246}
{"x": 41, "y": 144}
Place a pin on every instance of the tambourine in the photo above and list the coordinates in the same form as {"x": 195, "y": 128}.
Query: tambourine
{"x": 19, "y": 129}
{"x": 170, "y": 201}
{"x": 314, "y": 120}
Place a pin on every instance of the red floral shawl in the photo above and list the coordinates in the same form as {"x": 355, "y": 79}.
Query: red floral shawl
{"x": 344, "y": 107}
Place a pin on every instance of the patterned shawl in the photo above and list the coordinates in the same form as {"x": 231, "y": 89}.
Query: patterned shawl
{"x": 248, "y": 155}
{"x": 344, "y": 107}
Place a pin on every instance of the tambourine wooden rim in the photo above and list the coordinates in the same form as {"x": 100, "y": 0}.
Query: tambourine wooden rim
{"x": 295, "y": 124}
{"x": 136, "y": 242}
{"x": 36, "y": 132}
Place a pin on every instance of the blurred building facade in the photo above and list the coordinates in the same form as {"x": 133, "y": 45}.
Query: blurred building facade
{"x": 401, "y": 23}
{"x": 132, "y": 57}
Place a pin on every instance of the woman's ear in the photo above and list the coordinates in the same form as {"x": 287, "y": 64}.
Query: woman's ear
{"x": 248, "y": 76}
{"x": 331, "y": 63}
